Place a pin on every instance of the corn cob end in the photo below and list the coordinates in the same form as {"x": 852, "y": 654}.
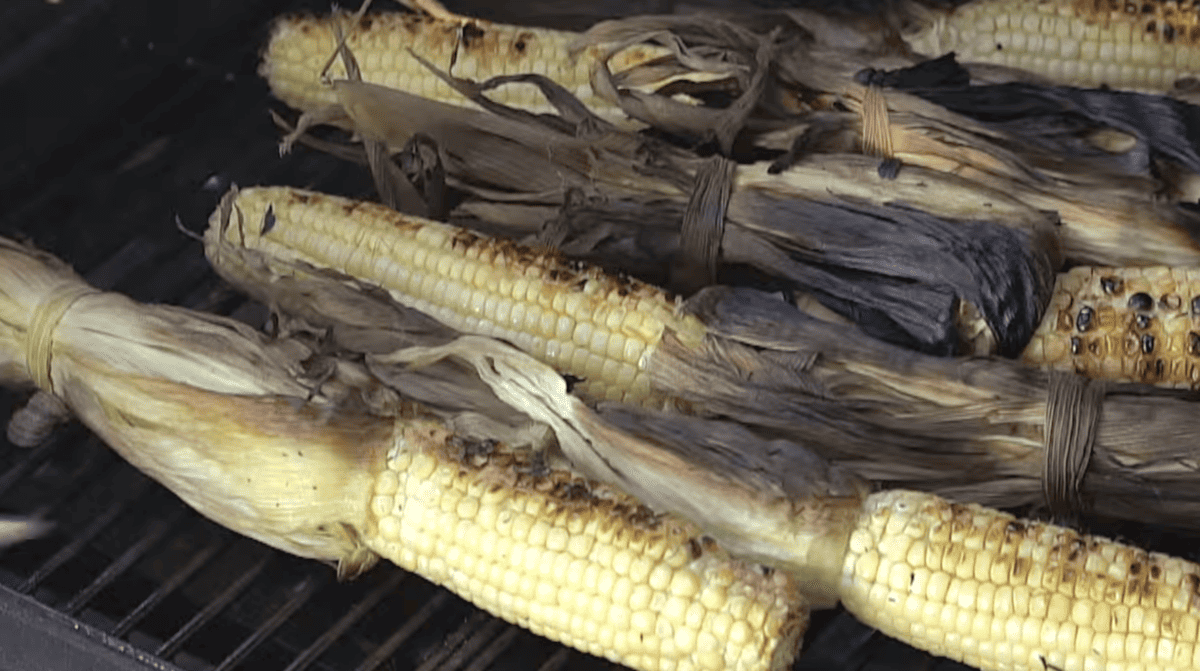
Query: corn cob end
{"x": 1123, "y": 324}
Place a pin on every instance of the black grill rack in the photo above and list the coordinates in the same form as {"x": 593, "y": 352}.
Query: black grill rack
{"x": 129, "y": 116}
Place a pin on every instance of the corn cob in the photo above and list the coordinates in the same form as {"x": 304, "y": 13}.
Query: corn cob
{"x": 1145, "y": 45}
{"x": 576, "y": 562}
{"x": 1123, "y": 324}
{"x": 301, "y": 45}
{"x": 994, "y": 592}
{"x": 596, "y": 327}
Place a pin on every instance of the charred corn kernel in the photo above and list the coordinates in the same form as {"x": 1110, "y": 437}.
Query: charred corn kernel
{"x": 301, "y": 45}
{"x": 1020, "y": 596}
{"x": 1143, "y": 45}
{"x": 530, "y": 573}
{"x": 454, "y": 275}
{"x": 1123, "y": 324}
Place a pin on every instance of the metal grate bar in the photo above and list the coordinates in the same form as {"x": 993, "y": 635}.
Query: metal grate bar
{"x": 301, "y": 593}
{"x": 353, "y": 615}
{"x": 557, "y": 661}
{"x": 133, "y": 254}
{"x": 470, "y": 637}
{"x": 493, "y": 650}
{"x": 36, "y": 457}
{"x": 68, "y": 484}
{"x": 171, "y": 584}
{"x": 212, "y": 608}
{"x": 393, "y": 642}
{"x": 57, "y": 493}
{"x": 81, "y": 539}
{"x": 158, "y": 529}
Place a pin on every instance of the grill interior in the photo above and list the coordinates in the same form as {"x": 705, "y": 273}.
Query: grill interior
{"x": 132, "y": 115}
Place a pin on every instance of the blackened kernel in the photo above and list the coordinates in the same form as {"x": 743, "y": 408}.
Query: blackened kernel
{"x": 1195, "y": 306}
{"x": 1076, "y": 344}
{"x": 1083, "y": 321}
{"x": 471, "y": 34}
{"x": 1143, "y": 321}
{"x": 1194, "y": 343}
{"x": 1141, "y": 301}
{"x": 1111, "y": 284}
{"x": 1159, "y": 366}
{"x": 1147, "y": 343}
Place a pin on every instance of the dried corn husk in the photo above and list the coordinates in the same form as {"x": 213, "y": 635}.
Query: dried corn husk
{"x": 195, "y": 401}
{"x": 793, "y": 226}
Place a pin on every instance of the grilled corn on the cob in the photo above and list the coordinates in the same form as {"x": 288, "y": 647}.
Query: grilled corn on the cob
{"x": 996, "y": 592}
{"x": 1144, "y": 45}
{"x": 583, "y": 322}
{"x": 575, "y": 562}
{"x": 1123, "y": 324}
{"x": 478, "y": 50}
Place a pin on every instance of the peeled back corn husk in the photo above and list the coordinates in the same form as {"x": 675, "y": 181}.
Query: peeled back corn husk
{"x": 824, "y": 196}
{"x": 347, "y": 473}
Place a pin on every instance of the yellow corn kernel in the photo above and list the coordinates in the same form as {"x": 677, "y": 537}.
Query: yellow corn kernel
{"x": 414, "y": 260}
{"x": 556, "y": 576}
{"x": 1145, "y": 45}
{"x": 1017, "y": 595}
{"x": 1123, "y": 324}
